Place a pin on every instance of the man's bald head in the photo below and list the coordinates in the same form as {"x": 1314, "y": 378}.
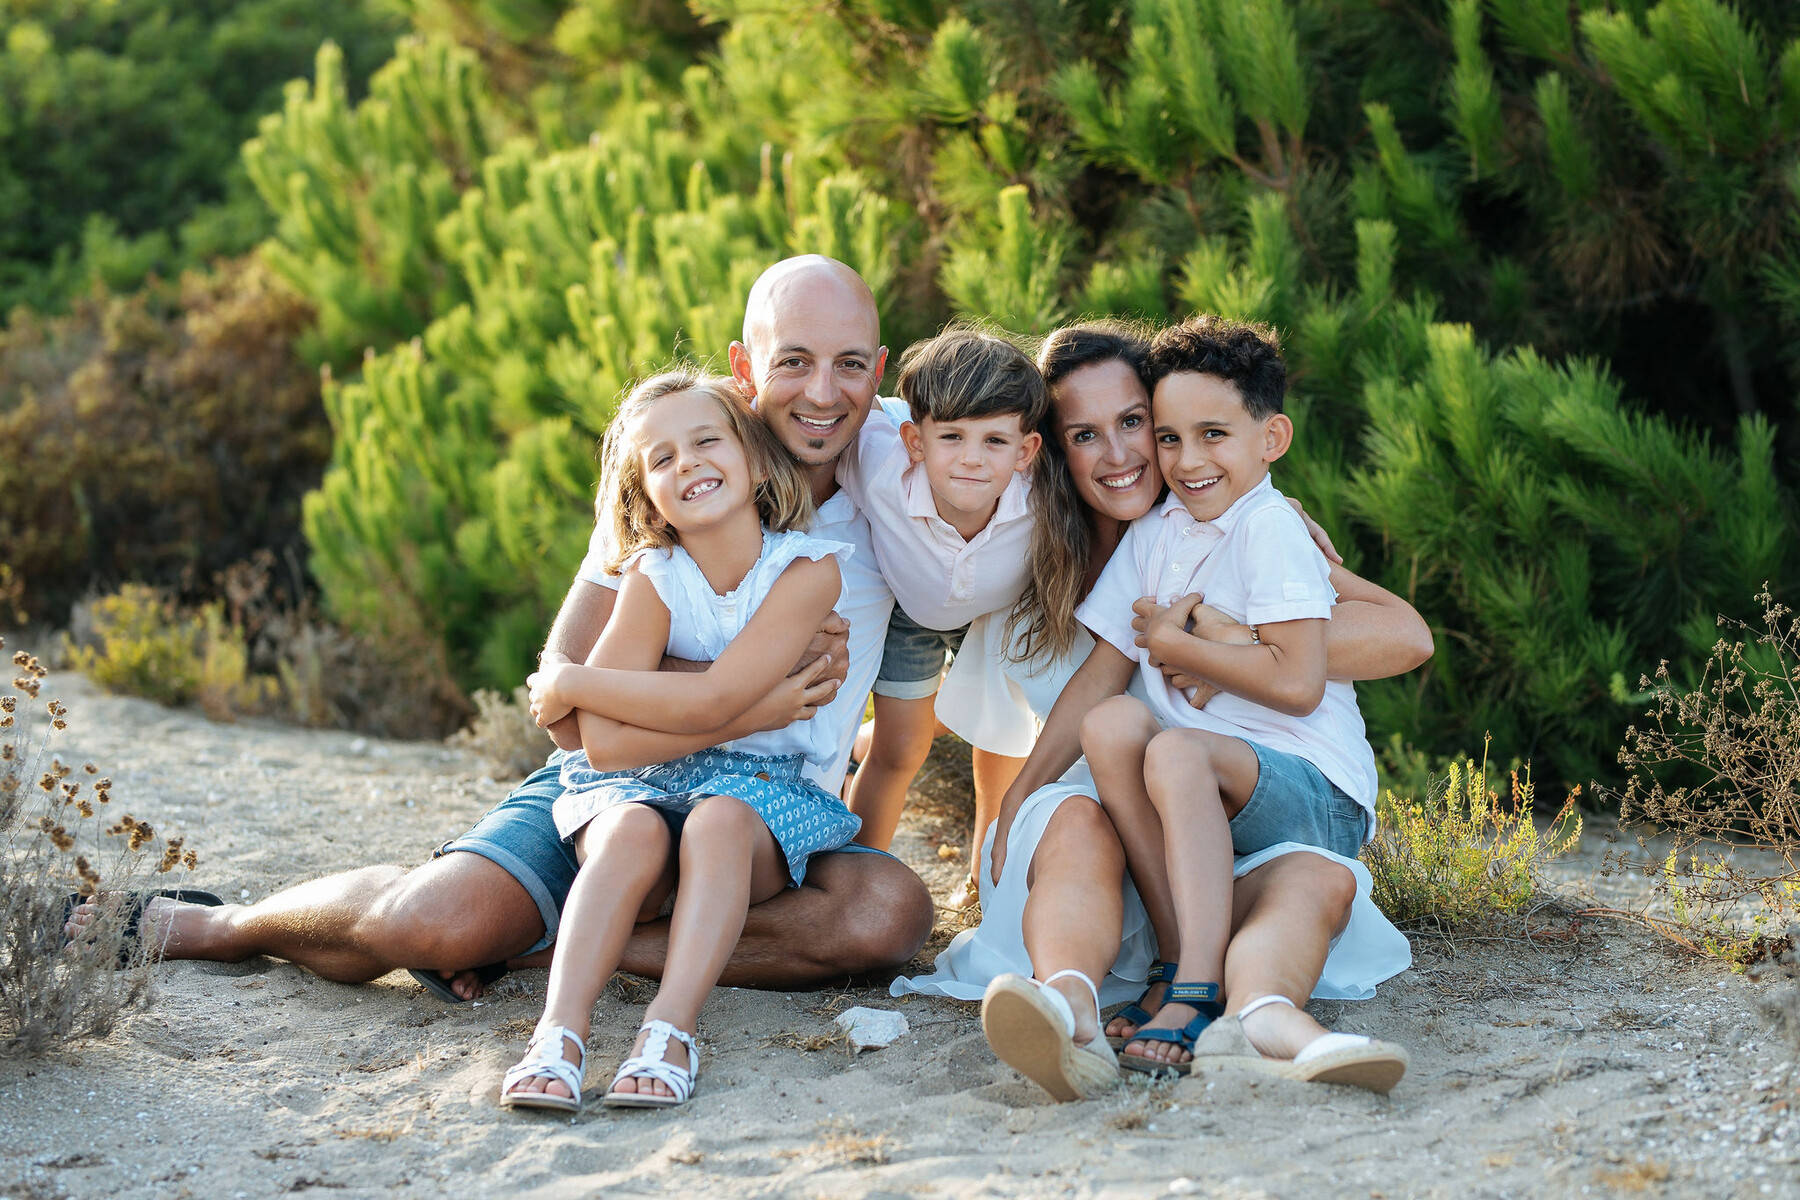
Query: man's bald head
{"x": 804, "y": 274}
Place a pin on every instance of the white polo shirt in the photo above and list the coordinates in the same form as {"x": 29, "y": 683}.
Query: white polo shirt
{"x": 1256, "y": 564}
{"x": 940, "y": 579}
{"x": 865, "y": 603}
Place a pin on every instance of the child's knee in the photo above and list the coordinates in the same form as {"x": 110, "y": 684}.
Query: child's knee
{"x": 1175, "y": 760}
{"x": 720, "y": 818}
{"x": 1115, "y": 724}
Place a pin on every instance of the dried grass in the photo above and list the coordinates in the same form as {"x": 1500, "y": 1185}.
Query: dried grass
{"x": 53, "y": 845}
{"x": 504, "y": 733}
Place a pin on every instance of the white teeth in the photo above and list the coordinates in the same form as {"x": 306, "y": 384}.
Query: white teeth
{"x": 1128, "y": 481}
{"x": 821, "y": 426}
{"x": 1202, "y": 485}
{"x": 700, "y": 489}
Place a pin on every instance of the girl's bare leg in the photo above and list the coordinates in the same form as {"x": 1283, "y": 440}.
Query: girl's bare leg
{"x": 898, "y": 748}
{"x": 1197, "y": 781}
{"x": 1286, "y": 912}
{"x": 625, "y": 861}
{"x": 1114, "y": 736}
{"x": 729, "y": 861}
{"x": 1075, "y": 908}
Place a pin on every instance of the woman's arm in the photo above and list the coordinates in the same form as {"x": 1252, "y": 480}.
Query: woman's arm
{"x": 1372, "y": 633}
{"x": 708, "y": 701}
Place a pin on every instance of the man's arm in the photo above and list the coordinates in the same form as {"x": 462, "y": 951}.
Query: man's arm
{"x": 583, "y": 615}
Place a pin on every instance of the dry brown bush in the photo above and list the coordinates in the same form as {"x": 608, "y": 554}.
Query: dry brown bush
{"x": 58, "y": 839}
{"x": 504, "y": 733}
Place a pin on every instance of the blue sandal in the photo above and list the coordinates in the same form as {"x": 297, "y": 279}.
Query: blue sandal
{"x": 1160, "y": 972}
{"x": 1203, "y": 998}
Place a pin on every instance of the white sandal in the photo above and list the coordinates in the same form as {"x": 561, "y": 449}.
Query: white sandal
{"x": 653, "y": 1063}
{"x": 544, "y": 1060}
{"x": 1031, "y": 1029}
{"x": 1348, "y": 1058}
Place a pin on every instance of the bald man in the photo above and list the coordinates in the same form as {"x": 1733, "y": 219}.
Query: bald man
{"x": 811, "y": 359}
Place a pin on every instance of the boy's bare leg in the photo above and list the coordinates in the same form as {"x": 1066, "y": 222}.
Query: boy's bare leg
{"x": 901, "y": 743}
{"x": 1197, "y": 781}
{"x": 1285, "y": 914}
{"x": 1075, "y": 908}
{"x": 994, "y": 773}
{"x": 454, "y": 912}
{"x": 1114, "y": 737}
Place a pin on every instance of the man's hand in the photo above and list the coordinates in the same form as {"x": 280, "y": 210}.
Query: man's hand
{"x": 833, "y": 642}
{"x": 1316, "y": 531}
{"x": 800, "y": 696}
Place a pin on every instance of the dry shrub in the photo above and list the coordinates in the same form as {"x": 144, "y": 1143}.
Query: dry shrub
{"x": 137, "y": 642}
{"x": 1462, "y": 853}
{"x": 158, "y": 436}
{"x": 504, "y": 733}
{"x": 1717, "y": 767}
{"x": 55, "y": 841}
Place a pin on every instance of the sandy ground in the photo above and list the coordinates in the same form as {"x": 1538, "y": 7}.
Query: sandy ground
{"x": 1589, "y": 1058}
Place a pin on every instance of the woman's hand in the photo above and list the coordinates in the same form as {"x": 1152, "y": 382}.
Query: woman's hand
{"x": 547, "y": 705}
{"x": 1316, "y": 531}
{"x": 798, "y": 697}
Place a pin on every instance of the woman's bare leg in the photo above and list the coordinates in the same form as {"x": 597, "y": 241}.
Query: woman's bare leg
{"x": 1075, "y": 908}
{"x": 1286, "y": 912}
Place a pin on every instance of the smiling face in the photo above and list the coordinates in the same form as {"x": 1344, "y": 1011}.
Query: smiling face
{"x": 695, "y": 470}
{"x": 1102, "y": 417}
{"x": 1211, "y": 450}
{"x": 812, "y": 356}
{"x": 970, "y": 462}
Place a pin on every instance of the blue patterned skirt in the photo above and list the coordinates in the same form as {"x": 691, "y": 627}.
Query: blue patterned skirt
{"x": 804, "y": 818}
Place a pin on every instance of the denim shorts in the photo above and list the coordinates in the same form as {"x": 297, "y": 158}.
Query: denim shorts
{"x": 1294, "y": 802}
{"x": 913, "y": 659}
{"x": 519, "y": 834}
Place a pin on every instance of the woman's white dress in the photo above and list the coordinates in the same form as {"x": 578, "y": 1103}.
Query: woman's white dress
{"x": 998, "y": 705}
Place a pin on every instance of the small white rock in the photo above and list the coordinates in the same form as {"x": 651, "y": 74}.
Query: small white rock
{"x": 872, "y": 1028}
{"x": 243, "y": 893}
{"x": 1183, "y": 1187}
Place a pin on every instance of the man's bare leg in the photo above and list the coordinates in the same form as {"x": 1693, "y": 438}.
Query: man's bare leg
{"x": 455, "y": 912}
{"x": 856, "y": 913}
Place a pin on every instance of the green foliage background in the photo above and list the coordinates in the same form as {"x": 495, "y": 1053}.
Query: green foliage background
{"x": 1537, "y": 266}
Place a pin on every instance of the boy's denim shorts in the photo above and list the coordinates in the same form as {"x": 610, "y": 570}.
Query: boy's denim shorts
{"x": 1294, "y": 802}
{"x": 913, "y": 660}
{"x": 520, "y": 835}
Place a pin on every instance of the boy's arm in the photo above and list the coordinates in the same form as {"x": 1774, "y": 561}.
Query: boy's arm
{"x": 1103, "y": 674}
{"x": 707, "y": 702}
{"x": 1284, "y": 670}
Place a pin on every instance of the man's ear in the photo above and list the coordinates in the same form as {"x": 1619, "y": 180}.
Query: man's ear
{"x": 1029, "y": 446}
{"x": 915, "y": 441}
{"x": 741, "y": 370}
{"x": 880, "y": 366}
{"x": 1278, "y": 435}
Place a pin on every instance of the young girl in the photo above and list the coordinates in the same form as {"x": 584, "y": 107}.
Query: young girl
{"x": 707, "y": 512}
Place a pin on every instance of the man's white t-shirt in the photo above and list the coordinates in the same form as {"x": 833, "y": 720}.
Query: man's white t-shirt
{"x": 1256, "y": 564}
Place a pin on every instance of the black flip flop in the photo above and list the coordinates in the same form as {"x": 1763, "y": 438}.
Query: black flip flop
{"x": 134, "y": 911}
{"x": 438, "y": 986}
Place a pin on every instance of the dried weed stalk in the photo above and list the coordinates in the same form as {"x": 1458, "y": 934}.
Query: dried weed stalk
{"x": 52, "y": 846}
{"x": 1737, "y": 732}
{"x": 504, "y": 733}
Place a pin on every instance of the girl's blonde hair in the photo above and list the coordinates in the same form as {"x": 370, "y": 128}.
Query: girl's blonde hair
{"x": 783, "y": 497}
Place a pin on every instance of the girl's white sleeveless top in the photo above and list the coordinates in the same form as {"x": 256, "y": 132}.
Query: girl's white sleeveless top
{"x": 702, "y": 622}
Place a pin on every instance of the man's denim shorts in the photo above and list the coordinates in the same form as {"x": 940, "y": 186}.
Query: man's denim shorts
{"x": 1294, "y": 802}
{"x": 519, "y": 834}
{"x": 913, "y": 659}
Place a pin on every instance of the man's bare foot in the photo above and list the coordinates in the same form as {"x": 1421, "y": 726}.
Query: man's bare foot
{"x": 171, "y": 928}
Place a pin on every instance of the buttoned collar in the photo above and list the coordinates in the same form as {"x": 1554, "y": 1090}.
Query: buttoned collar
{"x": 1226, "y": 521}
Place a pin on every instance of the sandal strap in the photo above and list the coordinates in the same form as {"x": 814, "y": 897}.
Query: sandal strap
{"x": 1072, "y": 973}
{"x": 1263, "y": 1002}
{"x": 1161, "y": 971}
{"x": 1203, "y": 997}
{"x": 654, "y": 1063}
{"x": 544, "y": 1060}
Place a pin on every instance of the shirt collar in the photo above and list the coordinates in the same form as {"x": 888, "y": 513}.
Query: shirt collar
{"x": 1226, "y": 521}
{"x": 1014, "y": 501}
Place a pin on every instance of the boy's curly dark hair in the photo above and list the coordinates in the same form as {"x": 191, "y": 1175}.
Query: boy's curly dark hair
{"x": 1244, "y": 353}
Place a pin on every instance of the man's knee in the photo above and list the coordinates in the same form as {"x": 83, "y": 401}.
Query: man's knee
{"x": 460, "y": 910}
{"x": 882, "y": 912}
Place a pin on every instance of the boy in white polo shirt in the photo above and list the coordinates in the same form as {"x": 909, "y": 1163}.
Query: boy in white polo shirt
{"x": 957, "y": 531}
{"x": 1279, "y": 754}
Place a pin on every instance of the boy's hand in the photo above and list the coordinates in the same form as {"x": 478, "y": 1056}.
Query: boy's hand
{"x": 833, "y": 642}
{"x": 1214, "y": 626}
{"x": 800, "y": 696}
{"x": 1316, "y": 531}
{"x": 1160, "y": 625}
{"x": 547, "y": 706}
